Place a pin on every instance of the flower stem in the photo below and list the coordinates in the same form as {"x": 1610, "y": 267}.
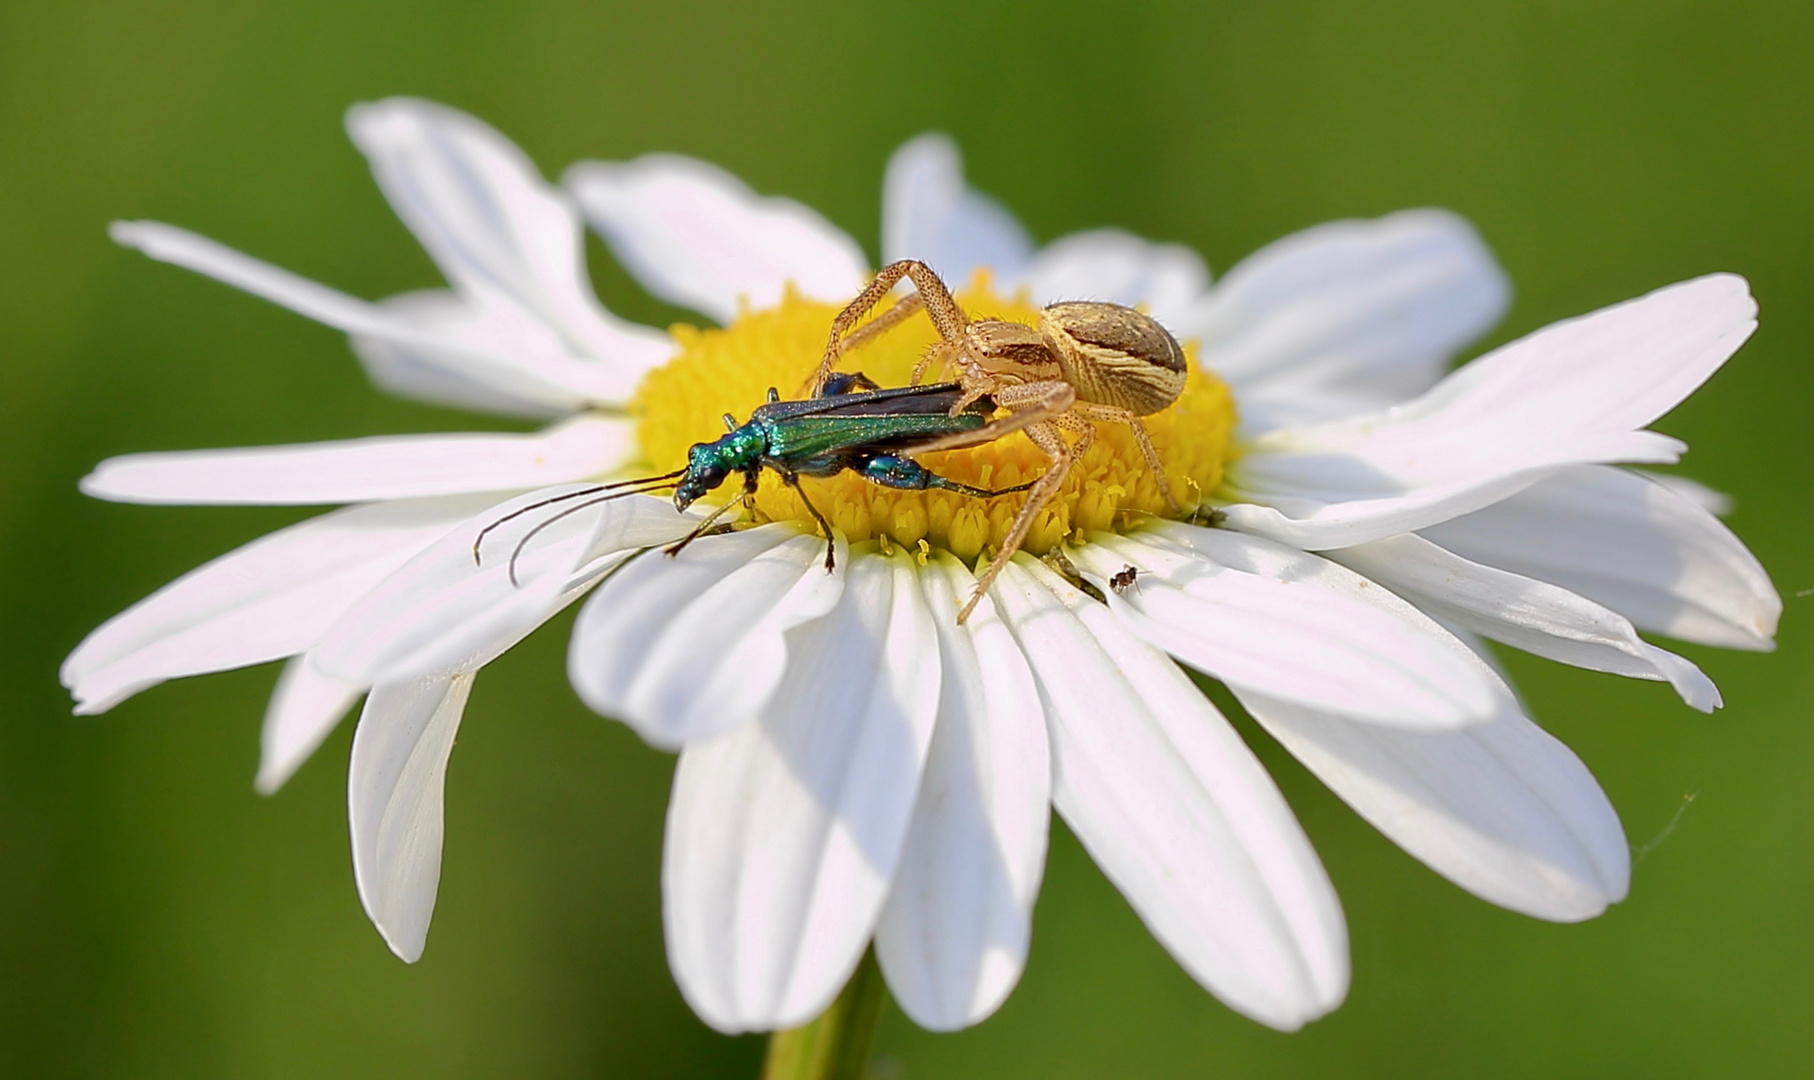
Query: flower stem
{"x": 836, "y": 1045}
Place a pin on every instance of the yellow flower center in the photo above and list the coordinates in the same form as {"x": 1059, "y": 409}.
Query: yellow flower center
{"x": 731, "y": 371}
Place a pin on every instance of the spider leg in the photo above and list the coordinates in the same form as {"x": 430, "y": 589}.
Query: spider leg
{"x": 896, "y": 314}
{"x": 1047, "y": 435}
{"x": 1116, "y": 415}
{"x": 1029, "y": 404}
{"x": 946, "y": 316}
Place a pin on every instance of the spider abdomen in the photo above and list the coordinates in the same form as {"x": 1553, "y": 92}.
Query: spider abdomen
{"x": 1115, "y": 355}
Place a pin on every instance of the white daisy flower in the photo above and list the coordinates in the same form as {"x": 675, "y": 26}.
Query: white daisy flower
{"x": 854, "y": 764}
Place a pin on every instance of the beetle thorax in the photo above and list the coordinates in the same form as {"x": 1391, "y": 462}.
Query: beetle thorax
{"x": 738, "y": 450}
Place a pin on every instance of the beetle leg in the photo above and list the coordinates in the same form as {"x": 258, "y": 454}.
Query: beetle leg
{"x": 792, "y": 480}
{"x": 905, "y": 474}
{"x": 747, "y": 500}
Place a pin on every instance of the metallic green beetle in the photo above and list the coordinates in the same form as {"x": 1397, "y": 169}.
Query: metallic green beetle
{"x": 850, "y": 424}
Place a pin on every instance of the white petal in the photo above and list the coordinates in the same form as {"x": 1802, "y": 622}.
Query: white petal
{"x": 1717, "y": 503}
{"x": 1176, "y": 810}
{"x": 1503, "y": 809}
{"x": 783, "y": 834}
{"x": 504, "y": 236}
{"x": 1531, "y": 615}
{"x": 1634, "y": 545}
{"x": 459, "y": 604}
{"x": 1348, "y": 316}
{"x": 1268, "y": 617}
{"x": 272, "y": 598}
{"x": 953, "y": 935}
{"x": 559, "y": 382}
{"x": 1574, "y": 393}
{"x": 394, "y": 789}
{"x": 414, "y": 370}
{"x": 686, "y": 647}
{"x": 1117, "y": 266}
{"x": 367, "y": 470}
{"x": 304, "y": 709}
{"x": 930, "y": 214}
{"x": 697, "y": 236}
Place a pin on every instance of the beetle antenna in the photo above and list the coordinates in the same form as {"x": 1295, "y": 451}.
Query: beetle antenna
{"x": 517, "y": 552}
{"x": 592, "y": 490}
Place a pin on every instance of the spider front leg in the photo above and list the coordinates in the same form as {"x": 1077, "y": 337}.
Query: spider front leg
{"x": 947, "y": 317}
{"x": 1028, "y": 404}
{"x": 892, "y": 316}
{"x": 1048, "y": 436}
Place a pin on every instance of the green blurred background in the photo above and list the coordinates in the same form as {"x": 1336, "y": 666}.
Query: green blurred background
{"x": 159, "y": 919}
